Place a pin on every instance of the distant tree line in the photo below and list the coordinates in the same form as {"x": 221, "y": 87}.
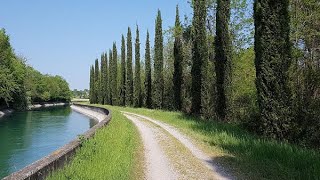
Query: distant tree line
{"x": 254, "y": 64}
{"x": 21, "y": 85}
{"x": 82, "y": 94}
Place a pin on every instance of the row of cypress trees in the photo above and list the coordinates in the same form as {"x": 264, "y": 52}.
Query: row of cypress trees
{"x": 103, "y": 80}
{"x": 272, "y": 61}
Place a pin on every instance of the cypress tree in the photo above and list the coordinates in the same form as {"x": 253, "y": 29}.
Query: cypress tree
{"x": 178, "y": 58}
{"x": 148, "y": 79}
{"x": 110, "y": 76}
{"x": 273, "y": 59}
{"x": 129, "y": 89}
{"x": 91, "y": 95}
{"x": 123, "y": 73}
{"x": 114, "y": 75}
{"x": 158, "y": 64}
{"x": 223, "y": 59}
{"x": 137, "y": 77}
{"x": 102, "y": 79}
{"x": 96, "y": 81}
{"x": 106, "y": 80}
{"x": 199, "y": 53}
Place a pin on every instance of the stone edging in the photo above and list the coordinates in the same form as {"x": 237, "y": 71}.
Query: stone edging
{"x": 46, "y": 105}
{"x": 43, "y": 167}
{"x": 5, "y": 112}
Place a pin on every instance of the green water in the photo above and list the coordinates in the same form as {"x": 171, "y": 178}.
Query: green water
{"x": 28, "y": 136}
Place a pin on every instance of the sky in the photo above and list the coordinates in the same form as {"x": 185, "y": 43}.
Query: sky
{"x": 65, "y": 37}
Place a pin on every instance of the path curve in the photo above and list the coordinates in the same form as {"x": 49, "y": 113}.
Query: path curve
{"x": 217, "y": 171}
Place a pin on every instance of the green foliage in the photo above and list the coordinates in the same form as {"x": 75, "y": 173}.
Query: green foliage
{"x": 123, "y": 73}
{"x": 10, "y": 80}
{"x": 244, "y": 93}
{"x": 186, "y": 68}
{"x": 8, "y": 85}
{"x": 114, "y": 76}
{"x": 273, "y": 58}
{"x": 102, "y": 80}
{"x": 223, "y": 60}
{"x": 148, "y": 80}
{"x": 305, "y": 85}
{"x": 241, "y": 22}
{"x": 21, "y": 85}
{"x": 137, "y": 96}
{"x": 209, "y": 93}
{"x": 178, "y": 59}
{"x": 158, "y": 64}
{"x": 168, "y": 54}
{"x": 105, "y": 81}
{"x": 109, "y": 74}
{"x": 92, "y": 89}
{"x": 129, "y": 89}
{"x": 80, "y": 94}
{"x": 96, "y": 82}
{"x": 46, "y": 88}
{"x": 199, "y": 53}
{"x": 305, "y": 70}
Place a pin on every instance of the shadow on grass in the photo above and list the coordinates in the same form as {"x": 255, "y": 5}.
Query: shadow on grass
{"x": 253, "y": 157}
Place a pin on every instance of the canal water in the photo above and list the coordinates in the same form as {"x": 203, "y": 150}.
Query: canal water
{"x": 28, "y": 136}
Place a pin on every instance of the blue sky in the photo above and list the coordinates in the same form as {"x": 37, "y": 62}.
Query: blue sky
{"x": 64, "y": 37}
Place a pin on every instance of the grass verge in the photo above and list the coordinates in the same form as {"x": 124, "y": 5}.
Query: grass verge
{"x": 245, "y": 155}
{"x": 115, "y": 152}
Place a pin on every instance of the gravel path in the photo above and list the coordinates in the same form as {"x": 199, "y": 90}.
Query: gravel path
{"x": 146, "y": 128}
{"x": 157, "y": 164}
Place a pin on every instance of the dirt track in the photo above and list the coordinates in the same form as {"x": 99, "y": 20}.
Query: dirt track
{"x": 171, "y": 155}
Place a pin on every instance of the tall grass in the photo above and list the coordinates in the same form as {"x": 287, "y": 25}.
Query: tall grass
{"x": 113, "y": 153}
{"x": 245, "y": 155}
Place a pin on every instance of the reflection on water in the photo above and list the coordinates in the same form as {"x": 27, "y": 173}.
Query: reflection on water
{"x": 28, "y": 136}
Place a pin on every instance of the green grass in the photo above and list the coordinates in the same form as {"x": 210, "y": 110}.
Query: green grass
{"x": 113, "y": 153}
{"x": 247, "y": 156}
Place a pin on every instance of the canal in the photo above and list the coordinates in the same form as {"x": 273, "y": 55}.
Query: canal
{"x": 28, "y": 136}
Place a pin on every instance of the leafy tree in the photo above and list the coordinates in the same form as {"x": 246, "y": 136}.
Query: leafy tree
{"x": 10, "y": 67}
{"x": 148, "y": 80}
{"x": 8, "y": 85}
{"x": 178, "y": 59}
{"x": 199, "y": 53}
{"x": 305, "y": 70}
{"x": 241, "y": 22}
{"x": 123, "y": 73}
{"x": 158, "y": 64}
{"x": 273, "y": 58}
{"x": 21, "y": 85}
{"x": 223, "y": 59}
{"x": 129, "y": 89}
{"x": 137, "y": 78}
{"x": 82, "y": 94}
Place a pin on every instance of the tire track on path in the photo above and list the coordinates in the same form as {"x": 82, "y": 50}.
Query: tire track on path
{"x": 217, "y": 171}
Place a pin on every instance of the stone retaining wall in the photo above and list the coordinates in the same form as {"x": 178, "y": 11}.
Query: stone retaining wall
{"x": 43, "y": 167}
